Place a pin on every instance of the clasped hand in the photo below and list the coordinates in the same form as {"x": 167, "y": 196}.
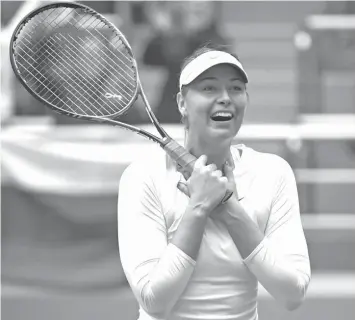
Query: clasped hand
{"x": 207, "y": 185}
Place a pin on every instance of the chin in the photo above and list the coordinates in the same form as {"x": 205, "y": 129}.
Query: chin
{"x": 225, "y": 128}
{"x": 222, "y": 134}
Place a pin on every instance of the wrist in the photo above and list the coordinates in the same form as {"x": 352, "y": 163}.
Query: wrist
{"x": 199, "y": 209}
{"x": 233, "y": 209}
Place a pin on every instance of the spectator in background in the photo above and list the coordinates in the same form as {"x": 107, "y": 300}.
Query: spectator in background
{"x": 339, "y": 7}
{"x": 180, "y": 28}
{"x": 11, "y": 14}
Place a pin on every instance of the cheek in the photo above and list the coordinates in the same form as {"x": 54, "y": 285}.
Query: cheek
{"x": 241, "y": 101}
{"x": 197, "y": 118}
{"x": 241, "y": 104}
{"x": 198, "y": 110}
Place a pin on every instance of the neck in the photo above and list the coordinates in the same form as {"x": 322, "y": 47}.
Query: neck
{"x": 216, "y": 152}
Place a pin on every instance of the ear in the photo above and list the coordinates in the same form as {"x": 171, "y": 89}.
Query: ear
{"x": 181, "y": 103}
{"x": 247, "y": 103}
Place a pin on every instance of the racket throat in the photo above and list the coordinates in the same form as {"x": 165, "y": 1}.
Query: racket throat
{"x": 152, "y": 116}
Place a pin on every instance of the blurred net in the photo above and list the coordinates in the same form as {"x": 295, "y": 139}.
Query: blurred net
{"x": 76, "y": 62}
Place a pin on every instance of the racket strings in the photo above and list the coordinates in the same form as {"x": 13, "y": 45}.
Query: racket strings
{"x": 79, "y": 24}
{"x": 86, "y": 66}
{"x": 90, "y": 25}
{"x": 42, "y": 21}
{"x": 83, "y": 71}
{"x": 47, "y": 89}
{"x": 90, "y": 73}
{"x": 45, "y": 86}
{"x": 108, "y": 65}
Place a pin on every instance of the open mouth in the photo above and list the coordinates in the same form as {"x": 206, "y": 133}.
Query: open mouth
{"x": 222, "y": 116}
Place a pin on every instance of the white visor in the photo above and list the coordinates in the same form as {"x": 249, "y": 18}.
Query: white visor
{"x": 205, "y": 61}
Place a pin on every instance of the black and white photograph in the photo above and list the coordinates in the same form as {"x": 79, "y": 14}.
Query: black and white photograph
{"x": 177, "y": 160}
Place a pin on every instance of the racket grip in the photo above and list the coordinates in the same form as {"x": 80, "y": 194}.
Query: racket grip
{"x": 186, "y": 161}
{"x": 183, "y": 158}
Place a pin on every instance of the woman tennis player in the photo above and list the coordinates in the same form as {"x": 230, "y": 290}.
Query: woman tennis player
{"x": 186, "y": 254}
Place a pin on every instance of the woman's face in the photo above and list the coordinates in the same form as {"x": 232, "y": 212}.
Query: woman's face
{"x": 215, "y": 103}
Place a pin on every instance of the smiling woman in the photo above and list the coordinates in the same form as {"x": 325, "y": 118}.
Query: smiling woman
{"x": 212, "y": 100}
{"x": 185, "y": 254}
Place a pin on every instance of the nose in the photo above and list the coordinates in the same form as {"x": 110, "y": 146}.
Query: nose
{"x": 224, "y": 98}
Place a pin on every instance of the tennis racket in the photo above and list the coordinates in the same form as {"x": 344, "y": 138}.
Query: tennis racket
{"x": 79, "y": 64}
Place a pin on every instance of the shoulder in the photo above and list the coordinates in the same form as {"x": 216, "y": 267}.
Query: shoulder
{"x": 266, "y": 163}
{"x": 151, "y": 176}
{"x": 146, "y": 167}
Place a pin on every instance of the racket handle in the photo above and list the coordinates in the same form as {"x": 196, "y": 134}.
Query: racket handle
{"x": 183, "y": 158}
{"x": 186, "y": 161}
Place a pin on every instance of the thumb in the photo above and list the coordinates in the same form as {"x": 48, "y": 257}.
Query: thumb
{"x": 183, "y": 188}
{"x": 228, "y": 172}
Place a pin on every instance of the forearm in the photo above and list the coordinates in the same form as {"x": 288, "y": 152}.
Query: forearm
{"x": 189, "y": 234}
{"x": 243, "y": 230}
{"x": 162, "y": 287}
{"x": 158, "y": 290}
{"x": 285, "y": 278}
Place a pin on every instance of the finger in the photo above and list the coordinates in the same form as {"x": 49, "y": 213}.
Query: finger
{"x": 211, "y": 167}
{"x": 183, "y": 188}
{"x": 217, "y": 173}
{"x": 224, "y": 180}
{"x": 228, "y": 171}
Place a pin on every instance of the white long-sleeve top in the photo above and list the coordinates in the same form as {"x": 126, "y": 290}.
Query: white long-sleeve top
{"x": 220, "y": 285}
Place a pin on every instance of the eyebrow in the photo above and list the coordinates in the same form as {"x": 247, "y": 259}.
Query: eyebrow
{"x": 209, "y": 78}
{"x": 214, "y": 78}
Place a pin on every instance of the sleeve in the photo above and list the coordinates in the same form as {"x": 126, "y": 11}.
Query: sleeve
{"x": 281, "y": 261}
{"x": 157, "y": 271}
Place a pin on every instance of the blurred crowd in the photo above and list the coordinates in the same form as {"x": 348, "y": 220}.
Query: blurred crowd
{"x": 176, "y": 29}
{"x": 179, "y": 29}
{"x": 173, "y": 29}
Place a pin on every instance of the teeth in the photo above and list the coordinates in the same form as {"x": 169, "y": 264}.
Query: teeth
{"x": 222, "y": 114}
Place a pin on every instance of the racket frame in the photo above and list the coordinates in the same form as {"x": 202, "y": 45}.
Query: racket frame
{"x": 101, "y": 119}
{"x": 183, "y": 158}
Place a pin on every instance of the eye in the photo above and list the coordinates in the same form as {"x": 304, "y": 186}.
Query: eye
{"x": 237, "y": 88}
{"x": 208, "y": 88}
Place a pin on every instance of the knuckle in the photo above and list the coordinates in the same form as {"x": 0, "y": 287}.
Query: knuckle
{"x": 217, "y": 173}
{"x": 204, "y": 169}
{"x": 202, "y": 159}
{"x": 197, "y": 164}
{"x": 223, "y": 180}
